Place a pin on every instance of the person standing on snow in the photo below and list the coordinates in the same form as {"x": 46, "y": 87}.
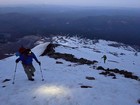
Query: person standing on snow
{"x": 26, "y": 57}
{"x": 104, "y": 57}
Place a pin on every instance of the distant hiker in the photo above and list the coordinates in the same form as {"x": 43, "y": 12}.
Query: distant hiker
{"x": 104, "y": 57}
{"x": 26, "y": 56}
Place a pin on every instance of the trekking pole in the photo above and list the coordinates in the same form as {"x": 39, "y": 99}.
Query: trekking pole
{"x": 14, "y": 74}
{"x": 41, "y": 73}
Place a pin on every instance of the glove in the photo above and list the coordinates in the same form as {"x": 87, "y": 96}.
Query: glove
{"x": 39, "y": 63}
{"x": 17, "y": 61}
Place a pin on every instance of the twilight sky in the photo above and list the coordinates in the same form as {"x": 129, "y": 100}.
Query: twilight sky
{"x": 112, "y": 3}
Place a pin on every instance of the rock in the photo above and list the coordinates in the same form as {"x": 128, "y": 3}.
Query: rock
{"x": 90, "y": 78}
{"x": 111, "y": 74}
{"x": 86, "y": 86}
{"x": 6, "y": 80}
{"x": 57, "y": 62}
{"x": 114, "y": 77}
{"x": 103, "y": 73}
{"x": 100, "y": 68}
{"x": 49, "y": 49}
{"x": 71, "y": 58}
{"x": 3, "y": 86}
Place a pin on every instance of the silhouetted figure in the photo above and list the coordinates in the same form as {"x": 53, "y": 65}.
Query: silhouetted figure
{"x": 105, "y": 58}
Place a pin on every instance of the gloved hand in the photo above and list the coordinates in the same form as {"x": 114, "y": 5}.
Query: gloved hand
{"x": 17, "y": 61}
{"x": 39, "y": 63}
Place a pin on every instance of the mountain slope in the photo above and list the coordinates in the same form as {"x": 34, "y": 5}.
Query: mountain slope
{"x": 68, "y": 83}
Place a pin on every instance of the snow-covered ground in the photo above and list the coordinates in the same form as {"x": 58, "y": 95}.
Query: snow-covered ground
{"x": 62, "y": 85}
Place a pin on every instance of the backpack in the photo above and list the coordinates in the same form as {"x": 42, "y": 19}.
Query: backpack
{"x": 22, "y": 50}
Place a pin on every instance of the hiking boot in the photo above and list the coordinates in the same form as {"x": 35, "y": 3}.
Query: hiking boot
{"x": 31, "y": 79}
{"x": 33, "y": 74}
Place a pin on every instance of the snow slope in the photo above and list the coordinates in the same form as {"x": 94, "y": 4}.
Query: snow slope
{"x": 62, "y": 85}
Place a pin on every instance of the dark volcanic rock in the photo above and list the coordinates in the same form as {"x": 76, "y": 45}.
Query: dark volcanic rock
{"x": 3, "y": 86}
{"x": 58, "y": 62}
{"x": 90, "y": 78}
{"x": 71, "y": 58}
{"x": 86, "y": 86}
{"x": 6, "y": 80}
{"x": 100, "y": 68}
{"x": 110, "y": 72}
{"x": 50, "y": 51}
